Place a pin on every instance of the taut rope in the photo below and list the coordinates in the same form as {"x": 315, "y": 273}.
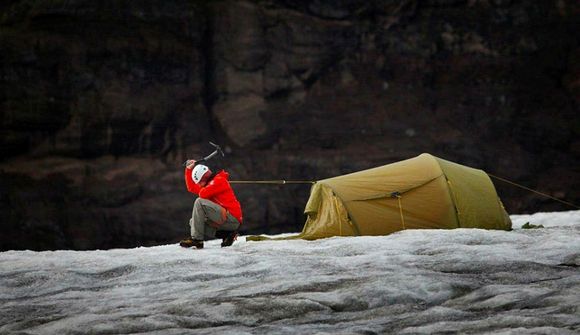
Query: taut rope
{"x": 275, "y": 182}
{"x": 311, "y": 182}
{"x": 534, "y": 191}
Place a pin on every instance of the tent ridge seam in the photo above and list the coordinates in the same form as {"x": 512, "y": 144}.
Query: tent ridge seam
{"x": 390, "y": 194}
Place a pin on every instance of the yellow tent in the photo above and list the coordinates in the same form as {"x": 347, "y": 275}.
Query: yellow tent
{"x": 424, "y": 192}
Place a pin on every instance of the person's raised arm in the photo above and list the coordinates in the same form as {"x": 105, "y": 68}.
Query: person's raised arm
{"x": 189, "y": 183}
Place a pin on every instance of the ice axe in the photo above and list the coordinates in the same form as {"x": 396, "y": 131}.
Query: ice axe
{"x": 218, "y": 150}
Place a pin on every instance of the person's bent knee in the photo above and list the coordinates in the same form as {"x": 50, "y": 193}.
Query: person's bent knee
{"x": 200, "y": 201}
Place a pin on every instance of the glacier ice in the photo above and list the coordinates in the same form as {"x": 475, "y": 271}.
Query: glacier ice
{"x": 414, "y": 281}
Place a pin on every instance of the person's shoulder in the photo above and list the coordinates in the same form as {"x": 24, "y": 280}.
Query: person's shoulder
{"x": 222, "y": 175}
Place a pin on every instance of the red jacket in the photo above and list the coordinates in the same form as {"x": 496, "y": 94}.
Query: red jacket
{"x": 218, "y": 190}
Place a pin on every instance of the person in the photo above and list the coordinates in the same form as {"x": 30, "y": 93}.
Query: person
{"x": 216, "y": 212}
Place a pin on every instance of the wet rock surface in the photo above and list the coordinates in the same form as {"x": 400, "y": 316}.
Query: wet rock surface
{"x": 102, "y": 101}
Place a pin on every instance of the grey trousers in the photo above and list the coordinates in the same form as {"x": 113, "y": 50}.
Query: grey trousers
{"x": 209, "y": 217}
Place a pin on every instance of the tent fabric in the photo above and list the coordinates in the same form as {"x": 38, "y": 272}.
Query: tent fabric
{"x": 327, "y": 216}
{"x": 476, "y": 200}
{"x": 424, "y": 192}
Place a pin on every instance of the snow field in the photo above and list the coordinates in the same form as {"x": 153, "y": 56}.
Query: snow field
{"x": 415, "y": 281}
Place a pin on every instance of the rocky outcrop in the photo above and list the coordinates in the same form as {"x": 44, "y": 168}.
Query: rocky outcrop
{"x": 102, "y": 101}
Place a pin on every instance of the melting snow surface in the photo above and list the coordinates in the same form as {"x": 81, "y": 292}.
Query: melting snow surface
{"x": 411, "y": 282}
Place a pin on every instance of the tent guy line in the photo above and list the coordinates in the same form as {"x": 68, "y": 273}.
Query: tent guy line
{"x": 275, "y": 182}
{"x": 312, "y": 182}
{"x": 534, "y": 191}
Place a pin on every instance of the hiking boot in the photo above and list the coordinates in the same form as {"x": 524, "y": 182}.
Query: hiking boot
{"x": 222, "y": 234}
{"x": 190, "y": 242}
{"x": 229, "y": 239}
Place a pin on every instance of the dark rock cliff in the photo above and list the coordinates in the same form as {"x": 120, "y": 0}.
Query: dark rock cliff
{"x": 101, "y": 101}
